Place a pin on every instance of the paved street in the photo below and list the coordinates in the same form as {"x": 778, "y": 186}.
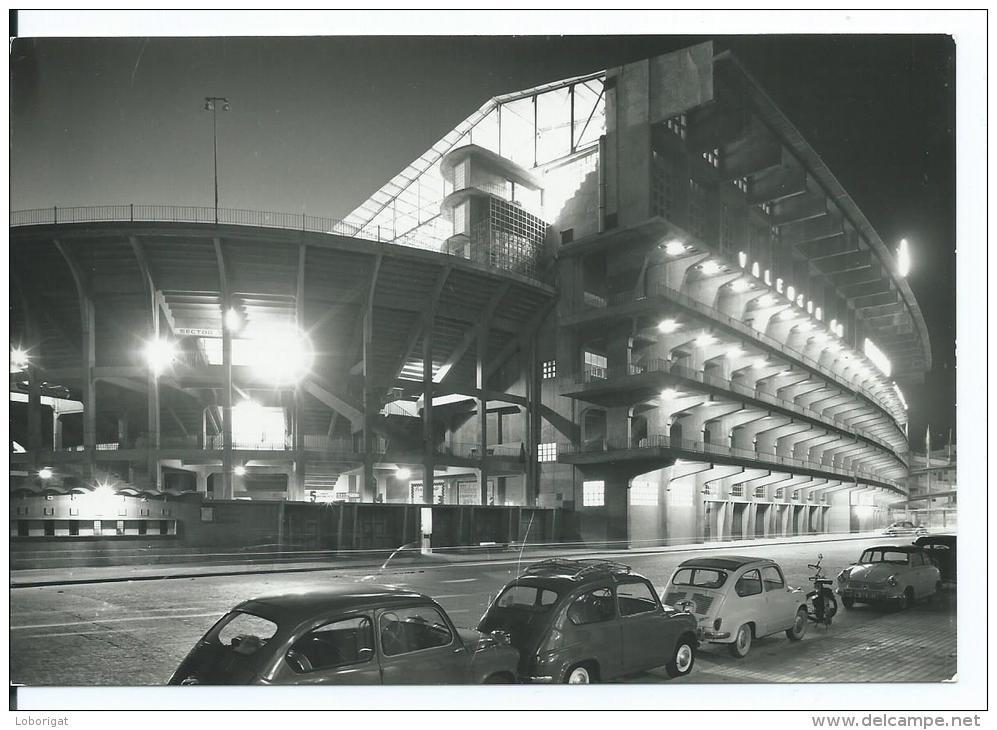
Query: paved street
{"x": 132, "y": 633}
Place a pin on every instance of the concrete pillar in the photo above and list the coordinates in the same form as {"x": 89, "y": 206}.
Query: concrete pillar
{"x": 480, "y": 362}
{"x": 89, "y": 386}
{"x": 202, "y": 480}
{"x": 123, "y": 430}
{"x": 428, "y": 448}
{"x": 228, "y": 486}
{"x": 56, "y": 430}
{"x": 617, "y": 504}
{"x": 34, "y": 414}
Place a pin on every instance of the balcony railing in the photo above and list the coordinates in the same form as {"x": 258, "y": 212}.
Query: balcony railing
{"x": 666, "y": 292}
{"x": 591, "y": 374}
{"x": 700, "y": 447}
{"x": 135, "y": 213}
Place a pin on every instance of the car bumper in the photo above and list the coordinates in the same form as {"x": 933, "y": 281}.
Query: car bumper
{"x": 537, "y": 679}
{"x": 711, "y": 635}
{"x": 870, "y": 594}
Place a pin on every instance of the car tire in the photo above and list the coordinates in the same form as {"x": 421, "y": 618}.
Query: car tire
{"x": 580, "y": 674}
{"x": 905, "y": 601}
{"x": 799, "y": 628}
{"x": 848, "y": 602}
{"x": 742, "y": 641}
{"x": 683, "y": 658}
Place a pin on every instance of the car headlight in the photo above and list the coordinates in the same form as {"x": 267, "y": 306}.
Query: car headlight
{"x": 892, "y": 580}
{"x": 844, "y": 575}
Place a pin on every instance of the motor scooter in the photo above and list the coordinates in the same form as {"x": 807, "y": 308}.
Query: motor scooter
{"x": 821, "y": 602}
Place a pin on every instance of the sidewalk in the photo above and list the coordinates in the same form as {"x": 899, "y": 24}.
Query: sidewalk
{"x": 410, "y": 560}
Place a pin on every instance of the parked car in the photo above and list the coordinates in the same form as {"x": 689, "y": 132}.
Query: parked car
{"x": 348, "y": 634}
{"x": 889, "y": 574}
{"x": 738, "y": 599}
{"x": 585, "y": 621}
{"x": 905, "y": 528}
{"x": 941, "y": 549}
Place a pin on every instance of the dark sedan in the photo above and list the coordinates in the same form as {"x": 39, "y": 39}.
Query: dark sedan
{"x": 349, "y": 634}
{"x": 941, "y": 549}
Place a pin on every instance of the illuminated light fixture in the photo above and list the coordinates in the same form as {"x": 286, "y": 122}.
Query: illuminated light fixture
{"x": 710, "y": 267}
{"x": 755, "y": 270}
{"x": 45, "y": 473}
{"x": 735, "y": 352}
{"x": 834, "y": 326}
{"x": 768, "y": 278}
{"x": 799, "y": 300}
{"x": 742, "y": 259}
{"x": 840, "y": 330}
{"x": 778, "y": 285}
{"x": 674, "y": 248}
{"x": 239, "y": 471}
{"x": 160, "y": 354}
{"x": 877, "y": 358}
{"x": 233, "y": 320}
{"x": 281, "y": 355}
{"x": 766, "y": 300}
{"x": 104, "y": 490}
{"x": 740, "y": 285}
{"x": 903, "y": 258}
{"x": 819, "y": 314}
{"x": 667, "y": 326}
{"x": 705, "y": 339}
{"x": 669, "y": 393}
{"x": 900, "y": 395}
{"x": 402, "y": 473}
{"x": 19, "y": 359}
{"x": 810, "y": 306}
{"x": 790, "y": 292}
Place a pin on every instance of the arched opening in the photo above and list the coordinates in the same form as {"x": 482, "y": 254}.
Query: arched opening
{"x": 637, "y": 425}
{"x": 675, "y": 432}
{"x": 593, "y": 428}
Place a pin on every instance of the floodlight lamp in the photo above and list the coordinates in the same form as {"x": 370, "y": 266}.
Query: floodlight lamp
{"x": 667, "y": 326}
{"x": 239, "y": 471}
{"x": 710, "y": 267}
{"x": 45, "y": 473}
{"x": 19, "y": 359}
{"x": 402, "y": 473}
{"x": 669, "y": 393}
{"x": 705, "y": 339}
{"x": 160, "y": 354}
{"x": 674, "y": 248}
{"x": 740, "y": 285}
{"x": 233, "y": 320}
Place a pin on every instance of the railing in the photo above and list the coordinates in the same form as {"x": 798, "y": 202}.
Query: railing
{"x": 666, "y": 292}
{"x": 132, "y": 213}
{"x": 658, "y": 365}
{"x": 658, "y": 441}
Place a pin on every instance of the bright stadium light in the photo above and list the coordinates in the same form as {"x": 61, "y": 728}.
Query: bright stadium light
{"x": 19, "y": 359}
{"x": 239, "y": 471}
{"x": 160, "y": 354}
{"x": 742, "y": 259}
{"x": 667, "y": 326}
{"x": 402, "y": 473}
{"x": 45, "y": 473}
{"x": 705, "y": 339}
{"x": 281, "y": 355}
{"x": 669, "y": 393}
{"x": 740, "y": 285}
{"x": 104, "y": 490}
{"x": 710, "y": 267}
{"x": 903, "y": 258}
{"x": 674, "y": 248}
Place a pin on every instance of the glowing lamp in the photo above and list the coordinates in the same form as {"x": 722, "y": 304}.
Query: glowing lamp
{"x": 45, "y": 473}
{"x": 667, "y": 326}
{"x": 674, "y": 248}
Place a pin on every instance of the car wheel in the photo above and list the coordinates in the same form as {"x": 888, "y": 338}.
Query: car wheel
{"x": 742, "y": 642}
{"x": 848, "y": 602}
{"x": 905, "y": 601}
{"x": 799, "y": 627}
{"x": 683, "y": 659}
{"x": 579, "y": 675}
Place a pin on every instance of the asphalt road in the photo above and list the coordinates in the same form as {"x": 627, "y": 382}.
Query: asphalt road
{"x": 136, "y": 633}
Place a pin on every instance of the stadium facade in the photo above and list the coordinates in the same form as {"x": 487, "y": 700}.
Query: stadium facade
{"x": 636, "y": 298}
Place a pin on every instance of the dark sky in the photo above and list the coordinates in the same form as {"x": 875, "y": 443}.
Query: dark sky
{"x": 317, "y": 124}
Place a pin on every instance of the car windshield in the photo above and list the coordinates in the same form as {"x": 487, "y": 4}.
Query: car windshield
{"x": 528, "y": 598}
{"x": 243, "y": 632}
{"x": 700, "y": 577}
{"x": 884, "y": 556}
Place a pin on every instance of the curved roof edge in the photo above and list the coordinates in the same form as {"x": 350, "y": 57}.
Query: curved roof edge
{"x": 813, "y": 162}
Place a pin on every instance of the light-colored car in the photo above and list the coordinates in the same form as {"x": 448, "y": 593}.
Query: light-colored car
{"x": 889, "y": 574}
{"x": 905, "y": 527}
{"x": 737, "y": 599}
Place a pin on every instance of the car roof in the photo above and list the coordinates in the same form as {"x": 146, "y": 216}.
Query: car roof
{"x": 565, "y": 574}
{"x": 898, "y": 548}
{"x": 724, "y": 562}
{"x": 297, "y": 606}
{"x": 946, "y": 539}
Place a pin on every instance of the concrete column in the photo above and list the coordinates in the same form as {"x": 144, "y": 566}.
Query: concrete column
{"x": 202, "y": 480}
{"x": 34, "y": 414}
{"x": 428, "y": 448}
{"x": 56, "y": 430}
{"x": 123, "y": 430}
{"x": 480, "y": 361}
{"x": 228, "y": 486}
{"x": 617, "y": 503}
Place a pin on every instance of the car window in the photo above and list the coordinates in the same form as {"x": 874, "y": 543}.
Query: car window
{"x": 749, "y": 584}
{"x": 916, "y": 559}
{"x": 336, "y": 644}
{"x": 634, "y": 598}
{"x": 245, "y": 632}
{"x": 591, "y": 607}
{"x": 527, "y": 598}
{"x": 884, "y": 556}
{"x": 772, "y": 578}
{"x": 936, "y": 546}
{"x": 413, "y": 629}
{"x": 699, "y": 577}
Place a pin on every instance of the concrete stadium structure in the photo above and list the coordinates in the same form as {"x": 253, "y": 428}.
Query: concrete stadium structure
{"x": 637, "y": 298}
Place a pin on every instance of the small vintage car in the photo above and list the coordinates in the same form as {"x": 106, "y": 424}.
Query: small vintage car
{"x": 895, "y": 575}
{"x": 347, "y": 634}
{"x": 738, "y": 599}
{"x": 941, "y": 549}
{"x": 905, "y": 527}
{"x": 586, "y": 621}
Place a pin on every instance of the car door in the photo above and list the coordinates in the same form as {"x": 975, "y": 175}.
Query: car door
{"x": 592, "y": 630}
{"x": 780, "y": 601}
{"x": 646, "y": 634}
{"x": 419, "y": 645}
{"x": 337, "y": 651}
{"x": 923, "y": 574}
{"x": 751, "y": 603}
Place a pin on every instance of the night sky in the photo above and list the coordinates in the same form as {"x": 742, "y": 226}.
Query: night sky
{"x": 317, "y": 124}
